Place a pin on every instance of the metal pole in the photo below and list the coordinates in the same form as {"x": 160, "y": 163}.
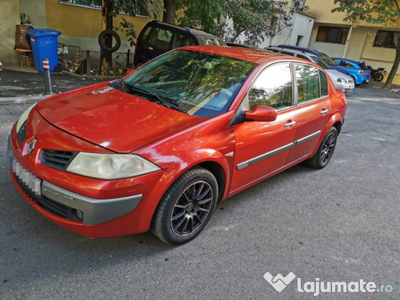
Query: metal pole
{"x": 347, "y": 41}
{"x": 88, "y": 62}
{"x": 47, "y": 80}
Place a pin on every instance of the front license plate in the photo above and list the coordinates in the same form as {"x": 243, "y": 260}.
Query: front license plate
{"x": 29, "y": 181}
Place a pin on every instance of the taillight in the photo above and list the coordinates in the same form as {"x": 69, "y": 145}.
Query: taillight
{"x": 135, "y": 47}
{"x": 362, "y": 72}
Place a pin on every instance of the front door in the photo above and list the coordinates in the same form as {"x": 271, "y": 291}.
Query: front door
{"x": 262, "y": 148}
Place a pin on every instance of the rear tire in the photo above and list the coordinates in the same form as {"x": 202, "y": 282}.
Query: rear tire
{"x": 378, "y": 77}
{"x": 325, "y": 150}
{"x": 186, "y": 207}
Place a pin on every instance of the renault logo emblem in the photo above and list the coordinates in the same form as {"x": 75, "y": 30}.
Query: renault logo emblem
{"x": 31, "y": 146}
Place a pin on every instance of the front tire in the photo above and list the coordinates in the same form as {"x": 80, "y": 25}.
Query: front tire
{"x": 325, "y": 150}
{"x": 186, "y": 207}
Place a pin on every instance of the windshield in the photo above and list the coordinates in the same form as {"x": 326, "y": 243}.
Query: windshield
{"x": 197, "y": 83}
{"x": 326, "y": 58}
{"x": 320, "y": 62}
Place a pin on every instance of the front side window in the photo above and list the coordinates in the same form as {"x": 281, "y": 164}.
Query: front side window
{"x": 272, "y": 88}
{"x": 210, "y": 41}
{"x": 307, "y": 83}
{"x": 182, "y": 41}
{"x": 197, "y": 83}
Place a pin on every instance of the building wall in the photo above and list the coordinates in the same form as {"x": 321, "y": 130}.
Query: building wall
{"x": 360, "y": 46}
{"x": 9, "y": 18}
{"x": 36, "y": 10}
{"x": 80, "y": 26}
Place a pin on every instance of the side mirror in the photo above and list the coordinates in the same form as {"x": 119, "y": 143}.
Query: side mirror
{"x": 129, "y": 72}
{"x": 262, "y": 114}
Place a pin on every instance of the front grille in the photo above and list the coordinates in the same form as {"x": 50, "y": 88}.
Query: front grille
{"x": 57, "y": 159}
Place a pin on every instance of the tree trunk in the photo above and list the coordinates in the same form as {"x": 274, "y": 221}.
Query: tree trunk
{"x": 395, "y": 66}
{"x": 169, "y": 13}
{"x": 107, "y": 20}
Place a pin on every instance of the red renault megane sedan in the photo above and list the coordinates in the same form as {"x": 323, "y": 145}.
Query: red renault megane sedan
{"x": 158, "y": 149}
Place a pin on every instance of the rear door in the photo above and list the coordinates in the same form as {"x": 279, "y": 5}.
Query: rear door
{"x": 313, "y": 110}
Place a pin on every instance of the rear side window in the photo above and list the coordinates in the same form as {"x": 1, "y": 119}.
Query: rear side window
{"x": 273, "y": 87}
{"x": 287, "y": 53}
{"x": 302, "y": 56}
{"x": 307, "y": 82}
{"x": 161, "y": 38}
{"x": 324, "y": 84}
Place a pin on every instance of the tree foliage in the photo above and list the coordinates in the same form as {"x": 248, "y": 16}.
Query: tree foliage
{"x": 253, "y": 18}
{"x": 150, "y": 8}
{"x": 382, "y": 12}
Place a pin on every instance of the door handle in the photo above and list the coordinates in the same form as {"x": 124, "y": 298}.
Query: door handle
{"x": 324, "y": 111}
{"x": 290, "y": 124}
{"x": 151, "y": 48}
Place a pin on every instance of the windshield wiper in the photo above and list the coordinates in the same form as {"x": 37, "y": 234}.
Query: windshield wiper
{"x": 160, "y": 100}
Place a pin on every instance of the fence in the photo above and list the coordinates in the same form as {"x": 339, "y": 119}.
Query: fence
{"x": 73, "y": 59}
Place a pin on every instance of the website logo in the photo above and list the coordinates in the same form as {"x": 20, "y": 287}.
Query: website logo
{"x": 279, "y": 282}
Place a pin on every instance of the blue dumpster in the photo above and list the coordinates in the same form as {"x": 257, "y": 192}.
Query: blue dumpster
{"x": 44, "y": 45}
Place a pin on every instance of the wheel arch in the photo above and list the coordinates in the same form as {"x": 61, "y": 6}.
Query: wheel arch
{"x": 218, "y": 171}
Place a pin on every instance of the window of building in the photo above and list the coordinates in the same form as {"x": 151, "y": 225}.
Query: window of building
{"x": 386, "y": 39}
{"x": 88, "y": 3}
{"x": 329, "y": 34}
{"x": 273, "y": 87}
{"x": 139, "y": 10}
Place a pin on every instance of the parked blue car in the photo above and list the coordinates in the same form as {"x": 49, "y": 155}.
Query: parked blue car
{"x": 357, "y": 70}
{"x": 321, "y": 55}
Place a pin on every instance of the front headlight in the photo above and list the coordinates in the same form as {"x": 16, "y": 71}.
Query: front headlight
{"x": 110, "y": 166}
{"x": 339, "y": 80}
{"x": 24, "y": 117}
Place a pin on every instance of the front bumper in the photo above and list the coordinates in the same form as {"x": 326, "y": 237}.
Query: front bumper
{"x": 344, "y": 86}
{"x": 88, "y": 206}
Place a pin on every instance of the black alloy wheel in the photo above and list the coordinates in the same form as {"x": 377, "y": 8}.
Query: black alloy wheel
{"x": 325, "y": 150}
{"x": 186, "y": 207}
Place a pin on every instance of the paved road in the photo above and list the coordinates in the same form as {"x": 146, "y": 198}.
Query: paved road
{"x": 339, "y": 224}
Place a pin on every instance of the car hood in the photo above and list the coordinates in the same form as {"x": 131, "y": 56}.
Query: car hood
{"x": 340, "y": 69}
{"x": 336, "y": 74}
{"x": 112, "y": 119}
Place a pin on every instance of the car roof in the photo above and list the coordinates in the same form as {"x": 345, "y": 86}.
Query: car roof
{"x": 252, "y": 55}
{"x": 298, "y": 48}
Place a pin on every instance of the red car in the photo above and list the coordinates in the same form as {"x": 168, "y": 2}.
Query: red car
{"x": 161, "y": 147}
